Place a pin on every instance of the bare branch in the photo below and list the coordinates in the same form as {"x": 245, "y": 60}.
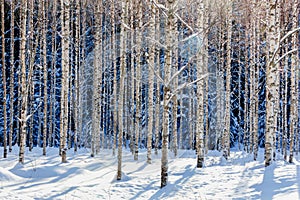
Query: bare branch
{"x": 185, "y": 85}
{"x": 181, "y": 69}
{"x": 281, "y": 40}
{"x": 284, "y": 55}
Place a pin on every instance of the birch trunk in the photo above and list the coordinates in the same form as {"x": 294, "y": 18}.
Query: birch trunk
{"x": 4, "y": 81}
{"x": 76, "y": 81}
{"x": 44, "y": 28}
{"x": 270, "y": 84}
{"x": 151, "y": 79}
{"x": 226, "y": 136}
{"x": 138, "y": 79}
{"x": 65, "y": 20}
{"x": 115, "y": 98}
{"x": 12, "y": 73}
{"x": 200, "y": 90}
{"x": 24, "y": 87}
{"x": 294, "y": 82}
{"x": 96, "y": 76}
{"x": 171, "y": 5}
{"x": 121, "y": 94}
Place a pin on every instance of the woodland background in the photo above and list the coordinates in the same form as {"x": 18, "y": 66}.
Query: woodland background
{"x": 162, "y": 75}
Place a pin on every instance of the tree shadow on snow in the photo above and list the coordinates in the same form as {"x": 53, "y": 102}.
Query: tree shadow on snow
{"x": 269, "y": 187}
{"x": 64, "y": 193}
{"x": 172, "y": 188}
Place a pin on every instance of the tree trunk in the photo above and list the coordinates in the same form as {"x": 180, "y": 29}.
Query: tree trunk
{"x": 151, "y": 79}
{"x": 24, "y": 87}
{"x": 4, "y": 80}
{"x": 170, "y": 4}
{"x": 76, "y": 71}
{"x": 65, "y": 5}
{"x": 200, "y": 89}
{"x": 121, "y": 94}
{"x": 226, "y": 136}
{"x": 44, "y": 28}
{"x": 271, "y": 92}
{"x": 114, "y": 65}
{"x": 12, "y": 73}
{"x": 294, "y": 82}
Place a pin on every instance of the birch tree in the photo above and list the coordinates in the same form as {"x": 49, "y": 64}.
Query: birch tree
{"x": 24, "y": 88}
{"x": 226, "y": 136}
{"x": 200, "y": 89}
{"x": 12, "y": 72}
{"x": 122, "y": 72}
{"x": 270, "y": 82}
{"x": 4, "y": 80}
{"x": 294, "y": 83}
{"x": 65, "y": 21}
{"x": 171, "y": 6}
{"x": 151, "y": 78}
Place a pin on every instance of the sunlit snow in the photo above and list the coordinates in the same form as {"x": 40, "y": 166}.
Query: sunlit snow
{"x": 83, "y": 177}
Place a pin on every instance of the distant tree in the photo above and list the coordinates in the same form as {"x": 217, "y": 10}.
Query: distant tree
{"x": 226, "y": 136}
{"x": 12, "y": 73}
{"x": 294, "y": 83}
{"x": 3, "y": 63}
{"x": 139, "y": 52}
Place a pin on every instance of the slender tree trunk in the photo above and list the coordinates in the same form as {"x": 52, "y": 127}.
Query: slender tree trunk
{"x": 138, "y": 114}
{"x": 151, "y": 64}
{"x": 96, "y": 89}
{"x": 4, "y": 80}
{"x": 226, "y": 136}
{"x": 132, "y": 63}
{"x": 32, "y": 46}
{"x": 52, "y": 77}
{"x": 115, "y": 97}
{"x": 121, "y": 94}
{"x": 45, "y": 67}
{"x": 76, "y": 66}
{"x": 24, "y": 87}
{"x": 157, "y": 126}
{"x": 294, "y": 82}
{"x": 200, "y": 90}
{"x": 65, "y": 19}
{"x": 12, "y": 73}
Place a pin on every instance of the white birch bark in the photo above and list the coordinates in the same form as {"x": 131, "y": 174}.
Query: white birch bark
{"x": 45, "y": 76}
{"x": 65, "y": 5}
{"x": 226, "y": 136}
{"x": 121, "y": 94}
{"x": 200, "y": 89}
{"x": 294, "y": 83}
{"x": 12, "y": 73}
{"x": 270, "y": 83}
{"x": 24, "y": 87}
{"x": 151, "y": 79}
{"x": 138, "y": 114}
{"x": 4, "y": 81}
{"x": 170, "y": 4}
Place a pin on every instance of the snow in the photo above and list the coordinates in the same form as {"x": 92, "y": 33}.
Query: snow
{"x": 83, "y": 177}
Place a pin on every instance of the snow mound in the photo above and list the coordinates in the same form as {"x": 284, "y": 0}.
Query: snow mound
{"x": 6, "y": 175}
{"x": 124, "y": 177}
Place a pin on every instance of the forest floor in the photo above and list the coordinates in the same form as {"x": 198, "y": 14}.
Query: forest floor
{"x": 86, "y": 178}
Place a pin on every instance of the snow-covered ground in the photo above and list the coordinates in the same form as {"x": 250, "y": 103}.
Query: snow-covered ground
{"x": 89, "y": 178}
